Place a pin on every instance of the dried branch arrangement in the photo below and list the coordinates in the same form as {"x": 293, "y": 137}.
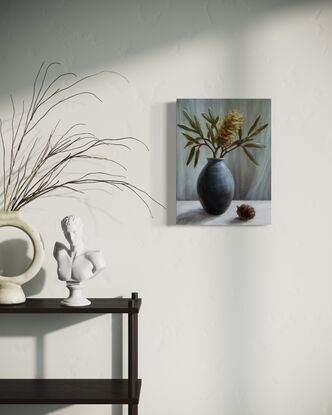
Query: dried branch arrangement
{"x": 220, "y": 135}
{"x": 34, "y": 166}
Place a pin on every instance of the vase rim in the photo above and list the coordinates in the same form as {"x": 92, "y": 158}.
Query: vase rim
{"x": 215, "y": 159}
{"x": 10, "y": 212}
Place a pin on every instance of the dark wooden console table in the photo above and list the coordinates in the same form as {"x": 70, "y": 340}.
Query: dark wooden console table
{"x": 79, "y": 391}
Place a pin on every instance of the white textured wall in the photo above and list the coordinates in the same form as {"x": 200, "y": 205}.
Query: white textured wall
{"x": 235, "y": 320}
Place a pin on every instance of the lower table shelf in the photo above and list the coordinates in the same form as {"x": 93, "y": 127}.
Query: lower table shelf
{"x": 68, "y": 391}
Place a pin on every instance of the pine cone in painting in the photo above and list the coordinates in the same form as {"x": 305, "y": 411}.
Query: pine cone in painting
{"x": 245, "y": 212}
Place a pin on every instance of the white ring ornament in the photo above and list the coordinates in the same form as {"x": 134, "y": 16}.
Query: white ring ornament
{"x": 10, "y": 287}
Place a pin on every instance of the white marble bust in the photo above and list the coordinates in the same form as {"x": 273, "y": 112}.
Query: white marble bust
{"x": 76, "y": 264}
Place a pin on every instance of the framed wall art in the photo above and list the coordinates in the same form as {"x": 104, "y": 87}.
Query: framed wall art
{"x": 223, "y": 162}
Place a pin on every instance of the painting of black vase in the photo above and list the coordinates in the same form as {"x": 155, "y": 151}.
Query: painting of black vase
{"x": 223, "y": 162}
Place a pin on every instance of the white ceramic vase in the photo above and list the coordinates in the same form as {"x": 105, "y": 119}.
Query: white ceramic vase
{"x": 10, "y": 287}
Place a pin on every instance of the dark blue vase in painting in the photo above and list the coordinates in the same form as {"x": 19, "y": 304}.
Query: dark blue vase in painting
{"x": 215, "y": 186}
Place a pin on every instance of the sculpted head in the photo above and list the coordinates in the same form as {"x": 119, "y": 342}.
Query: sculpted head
{"x": 72, "y": 227}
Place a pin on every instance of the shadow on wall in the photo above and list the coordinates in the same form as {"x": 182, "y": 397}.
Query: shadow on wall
{"x": 14, "y": 259}
{"x": 39, "y": 326}
{"x": 171, "y": 163}
{"x": 134, "y": 28}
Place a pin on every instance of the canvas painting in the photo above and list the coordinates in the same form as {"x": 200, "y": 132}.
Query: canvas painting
{"x": 223, "y": 162}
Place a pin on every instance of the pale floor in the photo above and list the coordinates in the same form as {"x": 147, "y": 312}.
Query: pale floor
{"x": 192, "y": 213}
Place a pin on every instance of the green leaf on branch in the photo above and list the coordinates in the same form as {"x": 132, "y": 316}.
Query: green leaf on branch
{"x": 211, "y": 118}
{"x": 191, "y": 155}
{"x": 213, "y": 139}
{"x": 191, "y": 122}
{"x": 208, "y": 127}
{"x": 258, "y": 130}
{"x": 251, "y": 129}
{"x": 198, "y": 127}
{"x": 190, "y": 138}
{"x": 250, "y": 156}
{"x": 255, "y": 145}
{"x": 211, "y": 113}
{"x": 184, "y": 127}
{"x": 196, "y": 157}
{"x": 210, "y": 133}
{"x": 208, "y": 119}
{"x": 188, "y": 144}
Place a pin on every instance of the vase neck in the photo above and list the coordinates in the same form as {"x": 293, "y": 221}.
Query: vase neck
{"x": 10, "y": 213}
{"x": 214, "y": 160}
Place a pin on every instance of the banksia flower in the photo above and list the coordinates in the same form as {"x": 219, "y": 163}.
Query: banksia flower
{"x": 220, "y": 136}
{"x": 229, "y": 127}
{"x": 245, "y": 212}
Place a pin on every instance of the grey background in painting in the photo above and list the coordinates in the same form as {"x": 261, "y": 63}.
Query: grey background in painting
{"x": 251, "y": 182}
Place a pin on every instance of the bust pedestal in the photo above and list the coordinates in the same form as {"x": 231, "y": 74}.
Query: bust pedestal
{"x": 75, "y": 298}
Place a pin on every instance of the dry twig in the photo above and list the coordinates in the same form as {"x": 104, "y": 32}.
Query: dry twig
{"x": 33, "y": 167}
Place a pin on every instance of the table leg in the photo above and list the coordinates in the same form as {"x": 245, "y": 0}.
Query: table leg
{"x": 132, "y": 409}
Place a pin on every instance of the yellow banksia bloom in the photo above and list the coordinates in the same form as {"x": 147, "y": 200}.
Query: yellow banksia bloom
{"x": 229, "y": 127}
